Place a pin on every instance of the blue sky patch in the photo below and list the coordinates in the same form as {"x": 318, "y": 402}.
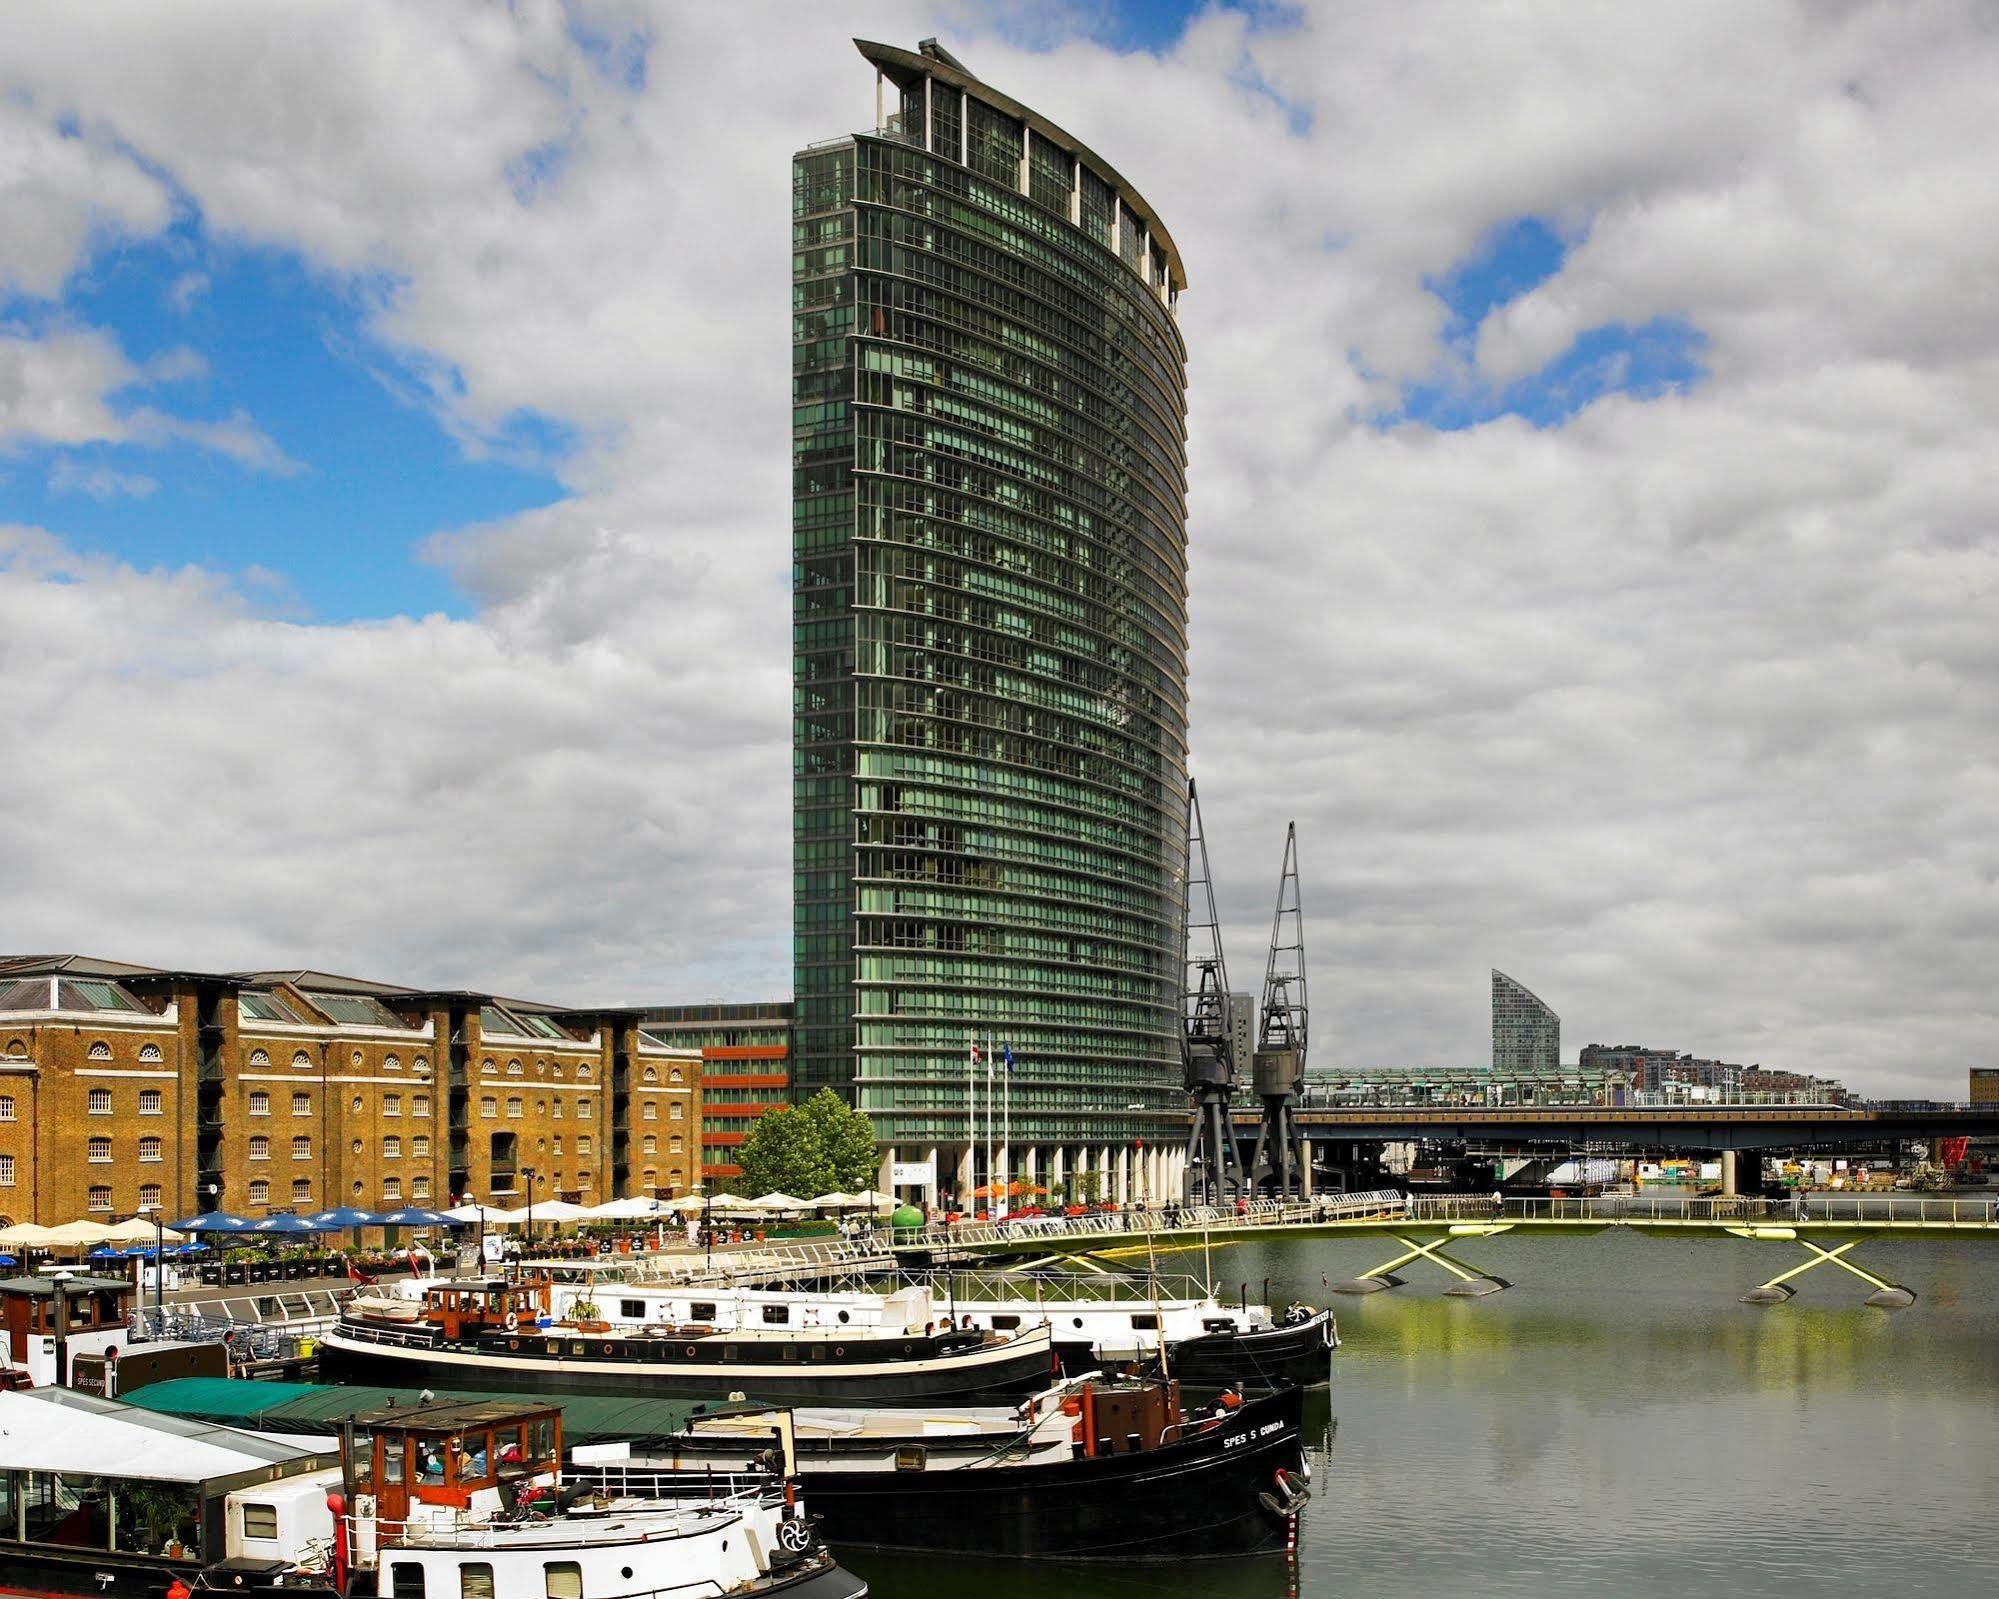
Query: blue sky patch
{"x": 366, "y": 473}
{"x": 1647, "y": 360}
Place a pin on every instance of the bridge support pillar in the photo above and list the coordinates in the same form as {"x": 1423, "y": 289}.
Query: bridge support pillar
{"x": 1886, "y": 1295}
{"x": 1469, "y": 1285}
{"x": 1728, "y": 1180}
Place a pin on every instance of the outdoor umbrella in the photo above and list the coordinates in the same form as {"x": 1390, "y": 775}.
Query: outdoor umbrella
{"x": 288, "y": 1226}
{"x": 639, "y": 1207}
{"x": 554, "y": 1210}
{"x": 139, "y": 1230}
{"x": 25, "y": 1233}
{"x": 779, "y": 1202}
{"x": 875, "y": 1200}
{"x": 215, "y": 1221}
{"x": 342, "y": 1217}
{"x": 75, "y": 1234}
{"x": 415, "y": 1216}
{"x": 837, "y": 1201}
{"x": 8, "y": 1260}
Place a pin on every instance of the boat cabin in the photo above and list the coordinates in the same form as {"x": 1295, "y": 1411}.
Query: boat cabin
{"x": 473, "y": 1305}
{"x": 472, "y": 1455}
{"x": 50, "y": 1320}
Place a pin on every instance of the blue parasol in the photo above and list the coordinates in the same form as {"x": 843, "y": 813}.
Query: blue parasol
{"x": 214, "y": 1221}
{"x": 416, "y": 1216}
{"x": 288, "y": 1226}
{"x": 343, "y": 1217}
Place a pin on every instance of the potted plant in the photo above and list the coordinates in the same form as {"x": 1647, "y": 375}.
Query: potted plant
{"x": 236, "y": 1267}
{"x": 159, "y": 1512}
{"x": 587, "y": 1316}
{"x": 291, "y": 1265}
{"x": 210, "y": 1272}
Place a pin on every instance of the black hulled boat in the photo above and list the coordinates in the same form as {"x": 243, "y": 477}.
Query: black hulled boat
{"x": 491, "y": 1334}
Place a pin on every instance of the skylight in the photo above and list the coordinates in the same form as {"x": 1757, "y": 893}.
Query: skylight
{"x": 355, "y": 1010}
{"x": 90, "y": 993}
{"x": 261, "y": 1005}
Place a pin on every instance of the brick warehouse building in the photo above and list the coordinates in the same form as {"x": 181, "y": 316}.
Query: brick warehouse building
{"x": 123, "y": 1087}
{"x": 745, "y": 1068}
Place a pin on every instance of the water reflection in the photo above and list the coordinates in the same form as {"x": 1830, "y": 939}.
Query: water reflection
{"x": 1616, "y": 1422}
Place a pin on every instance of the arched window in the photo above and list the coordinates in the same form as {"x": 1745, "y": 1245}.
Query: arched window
{"x": 487, "y": 1068}
{"x": 391, "y": 1063}
{"x": 392, "y": 1104}
{"x": 515, "y": 1107}
{"x": 149, "y": 1052}
{"x": 301, "y": 1190}
{"x": 649, "y": 1111}
{"x": 260, "y": 1102}
{"x": 489, "y": 1106}
{"x": 260, "y": 1192}
{"x": 149, "y": 1196}
{"x": 98, "y": 1150}
{"x": 151, "y": 1148}
{"x": 421, "y": 1066}
{"x": 6, "y": 1107}
{"x": 392, "y": 1148}
{"x": 420, "y": 1147}
{"x": 301, "y": 1061}
{"x": 651, "y": 1144}
{"x": 419, "y": 1187}
{"x": 260, "y": 1148}
{"x": 260, "y": 1057}
{"x": 100, "y": 1050}
{"x": 301, "y": 1148}
{"x": 583, "y": 1146}
{"x": 17, "y": 1046}
{"x": 420, "y": 1105}
{"x": 301, "y": 1104}
{"x": 675, "y": 1076}
{"x": 514, "y": 1068}
{"x": 392, "y": 1188}
{"x": 583, "y": 1072}
{"x": 674, "y": 1146}
{"x": 651, "y": 1074}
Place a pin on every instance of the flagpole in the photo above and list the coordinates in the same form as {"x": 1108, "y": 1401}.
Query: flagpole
{"x": 1006, "y": 1126}
{"x": 989, "y": 1117}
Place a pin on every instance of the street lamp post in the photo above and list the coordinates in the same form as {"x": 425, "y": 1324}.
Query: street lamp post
{"x": 531, "y": 1175}
{"x": 158, "y": 1213}
{"x": 481, "y": 1209}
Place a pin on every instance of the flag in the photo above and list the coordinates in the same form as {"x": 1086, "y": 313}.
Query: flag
{"x": 975, "y": 1056}
{"x": 1007, "y": 1051}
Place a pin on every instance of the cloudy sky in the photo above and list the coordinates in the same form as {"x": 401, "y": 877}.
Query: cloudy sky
{"x": 1594, "y": 438}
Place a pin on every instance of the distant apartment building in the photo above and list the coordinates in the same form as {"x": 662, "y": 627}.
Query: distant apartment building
{"x": 1674, "y": 1073}
{"x": 1526, "y": 1033}
{"x": 1985, "y": 1085}
{"x": 127, "y": 1087}
{"x": 745, "y": 1068}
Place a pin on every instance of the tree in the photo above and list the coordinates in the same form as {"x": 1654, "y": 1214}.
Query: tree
{"x": 848, "y": 1139}
{"x": 808, "y": 1150}
{"x": 781, "y": 1154}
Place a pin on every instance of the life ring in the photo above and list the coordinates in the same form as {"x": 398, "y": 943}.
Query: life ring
{"x": 513, "y": 1321}
{"x": 690, "y": 1351}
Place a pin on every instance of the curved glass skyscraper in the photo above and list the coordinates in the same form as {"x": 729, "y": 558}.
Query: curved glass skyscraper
{"x": 1526, "y": 1034}
{"x": 990, "y": 624}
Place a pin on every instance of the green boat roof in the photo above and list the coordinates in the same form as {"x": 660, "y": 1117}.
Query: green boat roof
{"x": 310, "y": 1407}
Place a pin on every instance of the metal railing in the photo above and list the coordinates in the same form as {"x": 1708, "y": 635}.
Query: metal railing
{"x": 1391, "y": 1205}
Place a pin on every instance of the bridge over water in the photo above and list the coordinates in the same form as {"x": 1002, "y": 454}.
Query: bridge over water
{"x": 1829, "y": 1228}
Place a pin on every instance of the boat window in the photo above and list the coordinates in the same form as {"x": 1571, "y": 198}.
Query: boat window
{"x": 1005, "y": 1323}
{"x": 701, "y": 1310}
{"x": 632, "y": 1309}
{"x": 362, "y": 1458}
{"x": 541, "y": 1439}
{"x": 564, "y": 1579}
{"x": 1144, "y": 1321}
{"x": 475, "y": 1580}
{"x": 260, "y": 1521}
{"x": 406, "y": 1580}
{"x": 776, "y": 1314}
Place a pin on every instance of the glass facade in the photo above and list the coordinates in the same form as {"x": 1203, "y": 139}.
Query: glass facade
{"x": 989, "y": 535}
{"x": 1526, "y": 1034}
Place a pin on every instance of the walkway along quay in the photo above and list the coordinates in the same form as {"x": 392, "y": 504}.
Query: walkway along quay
{"x": 1827, "y": 1227}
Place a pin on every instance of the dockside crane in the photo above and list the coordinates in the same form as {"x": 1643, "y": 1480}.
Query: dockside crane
{"x": 1279, "y": 1070}
{"x": 1214, "y": 1167}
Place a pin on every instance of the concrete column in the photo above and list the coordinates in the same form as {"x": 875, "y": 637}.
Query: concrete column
{"x": 1305, "y": 1144}
{"x": 1728, "y": 1186}
{"x": 963, "y": 1187}
{"x": 882, "y": 1170}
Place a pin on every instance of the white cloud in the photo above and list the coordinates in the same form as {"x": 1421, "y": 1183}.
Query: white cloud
{"x": 101, "y": 483}
{"x": 1681, "y": 712}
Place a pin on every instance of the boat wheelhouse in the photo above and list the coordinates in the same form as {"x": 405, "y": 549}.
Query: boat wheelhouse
{"x": 50, "y": 1320}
